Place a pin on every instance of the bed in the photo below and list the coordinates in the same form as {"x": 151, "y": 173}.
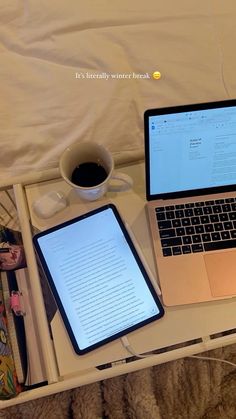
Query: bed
{"x": 82, "y": 71}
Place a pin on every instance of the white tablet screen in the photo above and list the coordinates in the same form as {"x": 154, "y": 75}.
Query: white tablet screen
{"x": 101, "y": 286}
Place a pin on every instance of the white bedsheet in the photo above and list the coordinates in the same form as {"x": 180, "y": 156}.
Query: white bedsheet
{"x": 43, "y": 44}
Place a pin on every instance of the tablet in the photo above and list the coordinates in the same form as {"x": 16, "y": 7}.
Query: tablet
{"x": 97, "y": 277}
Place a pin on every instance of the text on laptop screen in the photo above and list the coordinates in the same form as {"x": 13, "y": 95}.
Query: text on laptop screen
{"x": 192, "y": 150}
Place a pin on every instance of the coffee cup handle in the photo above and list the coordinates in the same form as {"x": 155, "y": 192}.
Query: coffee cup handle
{"x": 126, "y": 182}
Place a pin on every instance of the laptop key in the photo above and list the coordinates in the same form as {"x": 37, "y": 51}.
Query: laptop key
{"x": 226, "y": 207}
{"x": 197, "y": 248}
{"x": 199, "y": 229}
{"x": 218, "y": 245}
{"x": 228, "y": 225}
{"x": 232, "y": 215}
{"x": 199, "y": 204}
{"x": 214, "y": 218}
{"x": 170, "y": 215}
{"x": 174, "y": 241}
{"x": 206, "y": 237}
{"x": 205, "y": 219}
{"x": 196, "y": 238}
{"x": 180, "y": 231}
{"x": 188, "y": 212}
{"x": 186, "y": 249}
{"x": 176, "y": 222}
{"x": 225, "y": 235}
{"x": 160, "y": 216}
{"x": 218, "y": 227}
{"x": 177, "y": 250}
{"x": 187, "y": 239}
{"x": 224, "y": 216}
{"x": 209, "y": 228}
{"x": 179, "y": 213}
{"x": 198, "y": 211}
{"x": 207, "y": 210}
{"x": 195, "y": 220}
{"x": 232, "y": 233}
{"x": 170, "y": 232}
{"x": 216, "y": 209}
{"x": 215, "y": 236}
{"x": 189, "y": 205}
{"x": 164, "y": 224}
{"x": 186, "y": 222}
{"x": 190, "y": 230}
{"x": 167, "y": 251}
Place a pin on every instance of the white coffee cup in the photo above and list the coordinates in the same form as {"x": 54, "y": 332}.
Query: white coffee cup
{"x": 87, "y": 152}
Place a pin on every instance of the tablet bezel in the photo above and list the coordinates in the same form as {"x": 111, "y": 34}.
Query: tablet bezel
{"x": 60, "y": 306}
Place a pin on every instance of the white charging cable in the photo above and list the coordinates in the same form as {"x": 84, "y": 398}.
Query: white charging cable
{"x": 209, "y": 358}
{"x": 128, "y": 347}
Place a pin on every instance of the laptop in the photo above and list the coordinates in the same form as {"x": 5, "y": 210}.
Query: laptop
{"x": 190, "y": 164}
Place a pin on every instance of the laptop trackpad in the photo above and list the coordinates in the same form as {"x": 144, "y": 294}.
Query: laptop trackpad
{"x": 221, "y": 270}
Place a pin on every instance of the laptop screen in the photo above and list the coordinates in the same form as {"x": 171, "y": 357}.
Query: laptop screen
{"x": 190, "y": 149}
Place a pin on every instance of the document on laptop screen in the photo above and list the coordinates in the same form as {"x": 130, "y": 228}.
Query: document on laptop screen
{"x": 192, "y": 150}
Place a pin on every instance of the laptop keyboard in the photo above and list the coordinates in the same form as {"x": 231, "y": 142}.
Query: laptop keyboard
{"x": 197, "y": 227}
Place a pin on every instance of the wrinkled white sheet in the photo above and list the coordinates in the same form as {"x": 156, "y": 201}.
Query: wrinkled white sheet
{"x": 43, "y": 44}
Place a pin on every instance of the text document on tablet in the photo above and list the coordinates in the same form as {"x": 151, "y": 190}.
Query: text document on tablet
{"x": 97, "y": 278}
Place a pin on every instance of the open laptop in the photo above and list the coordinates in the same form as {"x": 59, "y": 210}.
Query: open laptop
{"x": 190, "y": 160}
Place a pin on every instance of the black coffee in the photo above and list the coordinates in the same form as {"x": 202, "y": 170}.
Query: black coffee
{"x": 88, "y": 174}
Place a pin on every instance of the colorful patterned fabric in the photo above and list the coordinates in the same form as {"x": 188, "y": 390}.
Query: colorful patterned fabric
{"x": 9, "y": 386}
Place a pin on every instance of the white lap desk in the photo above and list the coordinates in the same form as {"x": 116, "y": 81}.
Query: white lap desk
{"x": 183, "y": 331}
{"x": 180, "y": 324}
